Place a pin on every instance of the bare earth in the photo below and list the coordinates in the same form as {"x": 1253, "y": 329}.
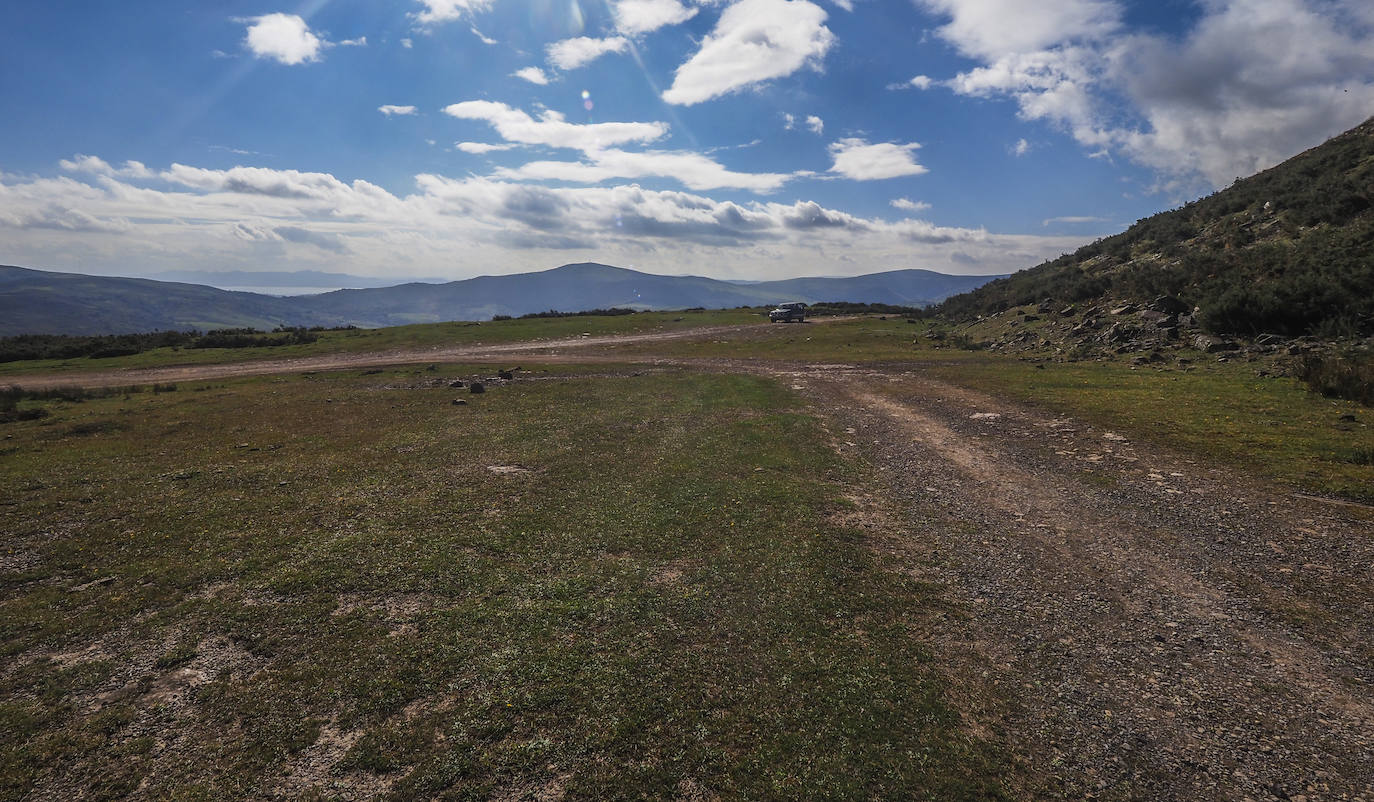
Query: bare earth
{"x": 1129, "y": 622}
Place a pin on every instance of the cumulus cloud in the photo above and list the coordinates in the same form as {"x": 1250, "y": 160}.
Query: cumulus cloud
{"x": 816, "y": 124}
{"x": 754, "y": 41}
{"x": 448, "y": 10}
{"x": 532, "y": 74}
{"x": 328, "y": 242}
{"x": 284, "y": 38}
{"x": 908, "y": 205}
{"x": 569, "y": 54}
{"x": 635, "y": 17}
{"x": 788, "y": 122}
{"x": 223, "y": 219}
{"x": 992, "y": 29}
{"x": 552, "y": 129}
{"x": 861, "y": 161}
{"x": 402, "y": 111}
{"x": 693, "y": 170}
{"x": 1021, "y": 147}
{"x": 1204, "y": 106}
{"x": 481, "y": 147}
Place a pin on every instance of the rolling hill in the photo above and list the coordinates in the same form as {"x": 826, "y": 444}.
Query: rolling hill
{"x": 1288, "y": 251}
{"x": 41, "y": 302}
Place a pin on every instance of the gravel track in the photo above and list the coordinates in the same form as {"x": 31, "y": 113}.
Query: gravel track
{"x": 1131, "y": 623}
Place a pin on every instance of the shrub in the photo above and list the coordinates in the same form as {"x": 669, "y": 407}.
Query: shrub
{"x": 1350, "y": 376}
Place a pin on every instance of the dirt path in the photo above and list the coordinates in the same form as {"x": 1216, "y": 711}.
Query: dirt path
{"x": 1130, "y": 622}
{"x": 1136, "y": 624}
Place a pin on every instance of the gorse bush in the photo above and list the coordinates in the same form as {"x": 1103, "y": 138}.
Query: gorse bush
{"x": 1349, "y": 376}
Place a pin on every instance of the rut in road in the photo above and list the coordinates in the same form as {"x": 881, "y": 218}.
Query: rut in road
{"x": 1153, "y": 627}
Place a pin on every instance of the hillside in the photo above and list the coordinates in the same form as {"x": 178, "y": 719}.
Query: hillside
{"x": 1289, "y": 251}
{"x": 40, "y": 302}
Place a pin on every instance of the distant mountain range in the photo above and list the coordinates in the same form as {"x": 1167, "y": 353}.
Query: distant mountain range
{"x": 42, "y": 302}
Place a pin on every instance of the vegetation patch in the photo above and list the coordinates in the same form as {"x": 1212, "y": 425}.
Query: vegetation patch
{"x": 343, "y": 591}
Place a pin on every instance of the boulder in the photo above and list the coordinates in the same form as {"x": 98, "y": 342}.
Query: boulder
{"x": 505, "y": 374}
{"x": 1125, "y": 309}
{"x": 1213, "y": 345}
{"x": 458, "y": 402}
{"x": 477, "y": 387}
{"x": 457, "y": 383}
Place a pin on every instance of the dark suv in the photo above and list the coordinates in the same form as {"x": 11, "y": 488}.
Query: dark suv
{"x": 786, "y": 313}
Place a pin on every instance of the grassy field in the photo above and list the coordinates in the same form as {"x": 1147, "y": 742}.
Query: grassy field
{"x": 420, "y": 336}
{"x": 632, "y": 586}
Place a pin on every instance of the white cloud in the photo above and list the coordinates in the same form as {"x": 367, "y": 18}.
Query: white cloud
{"x": 389, "y": 110}
{"x": 480, "y": 148}
{"x": 754, "y": 41}
{"x": 283, "y": 37}
{"x": 816, "y": 124}
{"x": 569, "y": 54}
{"x": 407, "y": 43}
{"x": 1206, "y": 106}
{"x": 486, "y": 40}
{"x": 635, "y": 17}
{"x": 693, "y": 170}
{"x": 448, "y": 10}
{"x": 551, "y": 129}
{"x": 532, "y": 74}
{"x": 908, "y": 205}
{"x": 922, "y": 82}
{"x": 1021, "y": 148}
{"x": 857, "y": 159}
{"x": 788, "y": 122}
{"x": 1073, "y": 220}
{"x": 361, "y": 41}
{"x": 992, "y": 29}
{"x": 234, "y": 219}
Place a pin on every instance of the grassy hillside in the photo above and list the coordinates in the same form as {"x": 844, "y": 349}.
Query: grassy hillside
{"x": 1289, "y": 251}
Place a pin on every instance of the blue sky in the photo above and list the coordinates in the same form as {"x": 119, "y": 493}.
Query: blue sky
{"x": 751, "y": 139}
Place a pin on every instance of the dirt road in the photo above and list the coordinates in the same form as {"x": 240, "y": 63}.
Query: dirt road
{"x": 1133, "y": 623}
{"x": 1129, "y": 622}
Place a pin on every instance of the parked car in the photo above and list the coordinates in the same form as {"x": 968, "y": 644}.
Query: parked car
{"x": 786, "y": 313}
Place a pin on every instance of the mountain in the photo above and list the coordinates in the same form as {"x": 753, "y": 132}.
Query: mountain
{"x": 286, "y": 280}
{"x": 40, "y": 302}
{"x": 1289, "y": 251}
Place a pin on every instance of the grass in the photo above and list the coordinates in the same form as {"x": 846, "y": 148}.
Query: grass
{"x": 420, "y": 336}
{"x": 1273, "y": 427}
{"x": 290, "y": 582}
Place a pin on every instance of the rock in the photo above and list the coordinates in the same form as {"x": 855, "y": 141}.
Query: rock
{"x": 458, "y": 402}
{"x": 1212, "y": 345}
{"x": 458, "y": 383}
{"x": 505, "y": 374}
{"x": 1068, "y": 311}
{"x": 1031, "y": 318}
{"x": 1269, "y": 339}
{"x": 1169, "y": 305}
{"x": 477, "y": 387}
{"x": 1125, "y": 309}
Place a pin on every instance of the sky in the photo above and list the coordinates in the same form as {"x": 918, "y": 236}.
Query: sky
{"x": 738, "y": 139}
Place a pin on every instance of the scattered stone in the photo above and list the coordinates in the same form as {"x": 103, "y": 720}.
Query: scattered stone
{"x": 508, "y": 469}
{"x": 458, "y": 402}
{"x": 1068, "y": 311}
{"x": 458, "y": 383}
{"x": 477, "y": 387}
{"x": 1125, "y": 309}
{"x": 1269, "y": 339}
{"x": 988, "y": 416}
{"x": 505, "y": 375}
